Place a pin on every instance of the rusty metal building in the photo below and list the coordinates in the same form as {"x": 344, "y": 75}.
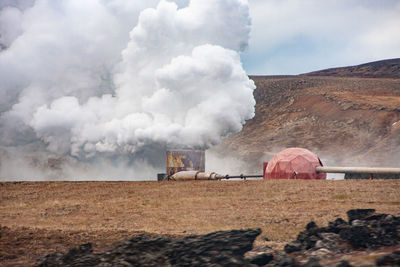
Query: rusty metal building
{"x": 185, "y": 160}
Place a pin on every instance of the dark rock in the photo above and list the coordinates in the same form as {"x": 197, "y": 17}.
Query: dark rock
{"x": 223, "y": 248}
{"x": 392, "y": 259}
{"x": 376, "y": 217}
{"x": 262, "y": 259}
{"x": 343, "y": 263}
{"x": 229, "y": 245}
{"x": 311, "y": 226}
{"x": 328, "y": 241}
{"x": 51, "y": 260}
{"x": 357, "y": 236}
{"x": 308, "y": 239}
{"x": 282, "y": 259}
{"x": 373, "y": 231}
{"x": 359, "y": 214}
{"x": 139, "y": 250}
{"x": 336, "y": 226}
{"x": 81, "y": 256}
{"x": 312, "y": 262}
{"x": 305, "y": 239}
{"x": 293, "y": 246}
{"x": 81, "y": 251}
{"x": 364, "y": 230}
{"x": 358, "y": 223}
{"x": 227, "y": 248}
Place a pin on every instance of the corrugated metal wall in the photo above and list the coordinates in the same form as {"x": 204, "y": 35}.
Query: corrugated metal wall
{"x": 185, "y": 160}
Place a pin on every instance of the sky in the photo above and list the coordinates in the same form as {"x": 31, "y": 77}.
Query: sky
{"x": 299, "y": 36}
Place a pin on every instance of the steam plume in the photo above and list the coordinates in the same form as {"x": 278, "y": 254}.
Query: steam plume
{"x": 94, "y": 79}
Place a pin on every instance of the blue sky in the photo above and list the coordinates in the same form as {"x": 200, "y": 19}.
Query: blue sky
{"x": 298, "y": 36}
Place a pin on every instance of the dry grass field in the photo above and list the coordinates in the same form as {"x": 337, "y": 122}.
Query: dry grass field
{"x": 42, "y": 217}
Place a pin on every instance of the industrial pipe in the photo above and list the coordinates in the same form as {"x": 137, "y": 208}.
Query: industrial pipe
{"x": 197, "y": 175}
{"x": 242, "y": 176}
{"x": 370, "y": 170}
{"x": 193, "y": 175}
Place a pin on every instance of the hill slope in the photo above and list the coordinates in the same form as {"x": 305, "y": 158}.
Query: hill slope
{"x": 389, "y": 68}
{"x": 345, "y": 120}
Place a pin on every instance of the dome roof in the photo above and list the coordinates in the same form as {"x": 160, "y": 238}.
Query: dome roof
{"x": 294, "y": 163}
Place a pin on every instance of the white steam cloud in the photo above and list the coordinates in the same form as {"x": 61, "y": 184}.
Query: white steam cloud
{"x": 94, "y": 79}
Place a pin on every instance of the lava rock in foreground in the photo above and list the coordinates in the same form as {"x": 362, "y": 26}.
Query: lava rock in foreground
{"x": 392, "y": 259}
{"x": 223, "y": 248}
{"x": 363, "y": 230}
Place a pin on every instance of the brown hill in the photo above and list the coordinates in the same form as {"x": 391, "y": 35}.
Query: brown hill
{"x": 389, "y": 68}
{"x": 345, "y": 120}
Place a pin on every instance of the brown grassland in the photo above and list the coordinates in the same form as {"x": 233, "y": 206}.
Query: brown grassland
{"x": 42, "y": 217}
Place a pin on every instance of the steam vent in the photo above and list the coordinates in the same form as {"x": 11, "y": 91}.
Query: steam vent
{"x": 185, "y": 160}
{"x": 294, "y": 163}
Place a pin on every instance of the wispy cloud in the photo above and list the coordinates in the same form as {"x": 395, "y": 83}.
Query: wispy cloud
{"x": 296, "y": 36}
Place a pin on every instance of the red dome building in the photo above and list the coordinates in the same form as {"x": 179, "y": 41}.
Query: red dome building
{"x": 294, "y": 163}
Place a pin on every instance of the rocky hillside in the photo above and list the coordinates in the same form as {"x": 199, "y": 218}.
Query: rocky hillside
{"x": 340, "y": 114}
{"x": 389, "y": 68}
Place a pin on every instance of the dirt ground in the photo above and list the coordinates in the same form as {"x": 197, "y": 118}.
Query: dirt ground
{"x": 38, "y": 218}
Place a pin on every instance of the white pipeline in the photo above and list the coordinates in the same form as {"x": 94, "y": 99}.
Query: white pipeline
{"x": 370, "y": 170}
